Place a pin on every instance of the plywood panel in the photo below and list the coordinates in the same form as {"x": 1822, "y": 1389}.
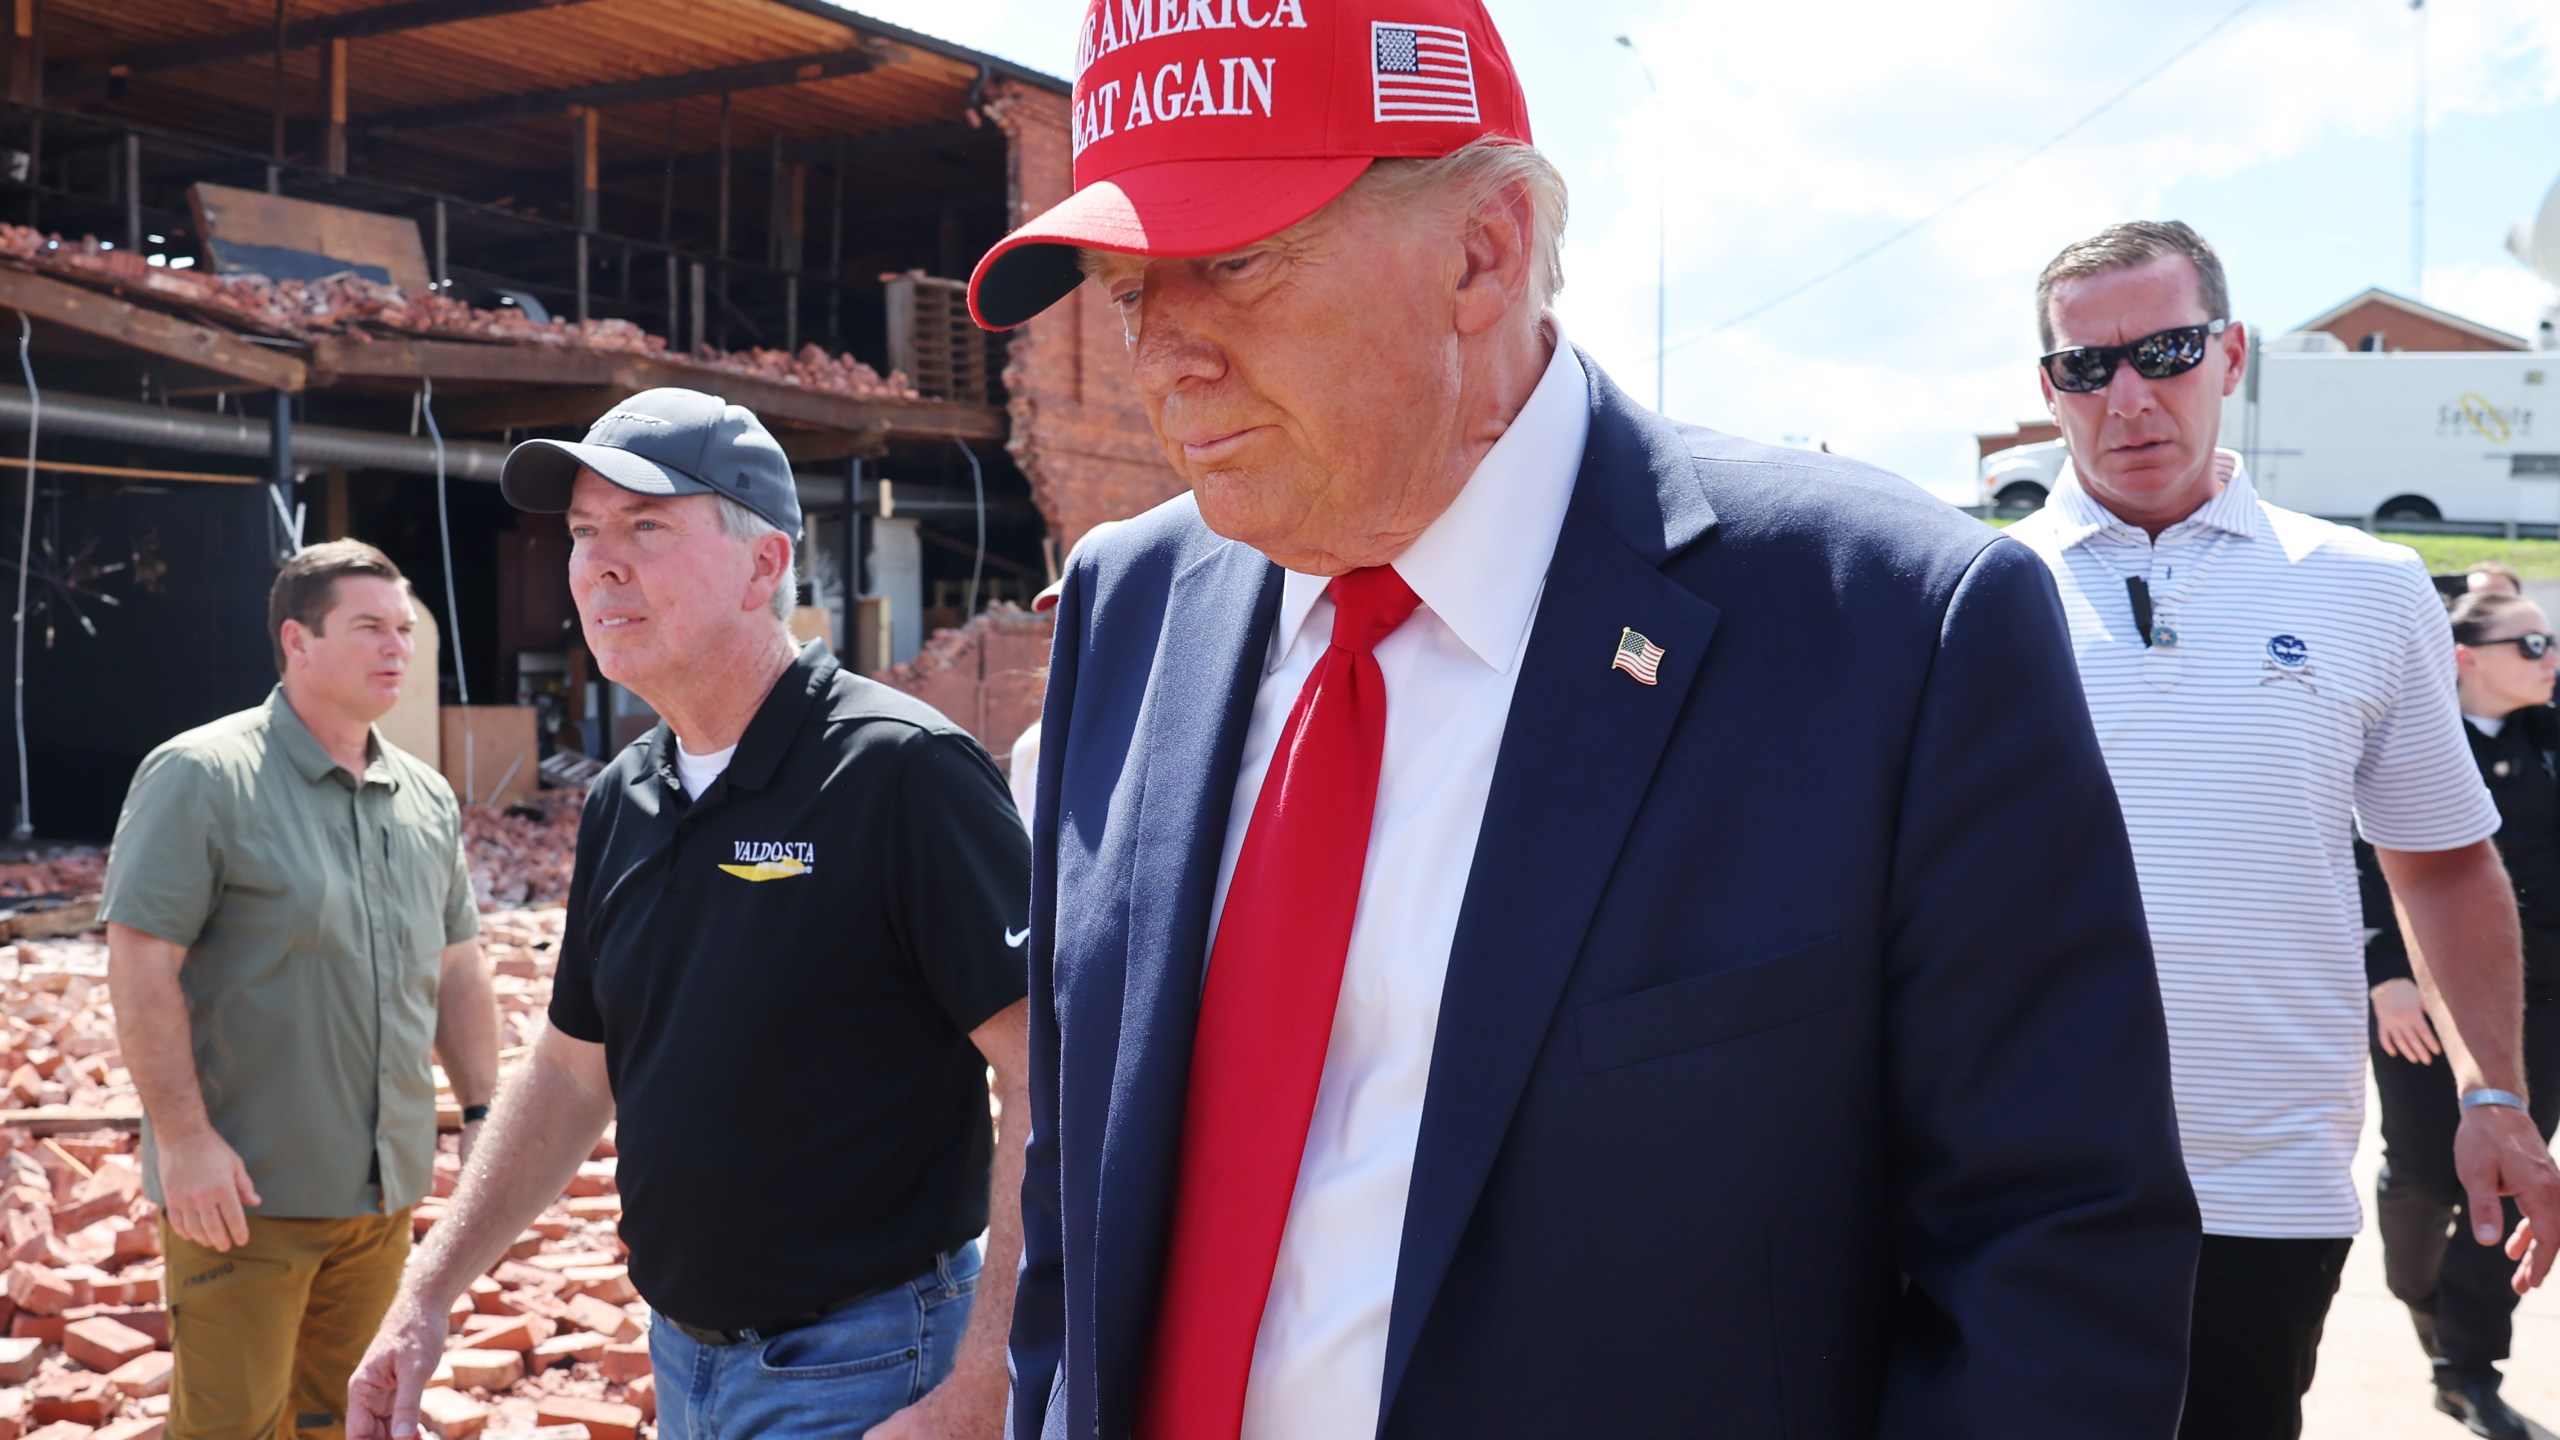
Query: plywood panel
{"x": 249, "y": 230}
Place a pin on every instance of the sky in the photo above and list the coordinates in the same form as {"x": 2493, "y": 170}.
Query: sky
{"x": 1786, "y": 139}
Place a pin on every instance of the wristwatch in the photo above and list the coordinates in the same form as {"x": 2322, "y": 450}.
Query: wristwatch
{"x": 474, "y": 1114}
{"x": 2471, "y": 1099}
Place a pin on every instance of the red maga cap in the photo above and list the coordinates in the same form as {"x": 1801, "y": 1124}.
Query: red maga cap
{"x": 1204, "y": 125}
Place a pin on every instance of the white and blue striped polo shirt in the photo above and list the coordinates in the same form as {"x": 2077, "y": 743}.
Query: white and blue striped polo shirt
{"x": 2303, "y": 679}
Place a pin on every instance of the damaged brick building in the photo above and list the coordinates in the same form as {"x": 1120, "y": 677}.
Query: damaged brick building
{"x": 305, "y": 269}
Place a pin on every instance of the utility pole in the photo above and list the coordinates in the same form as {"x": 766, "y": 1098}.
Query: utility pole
{"x": 1661, "y": 238}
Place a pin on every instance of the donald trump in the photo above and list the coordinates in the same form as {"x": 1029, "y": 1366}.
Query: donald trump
{"x": 1547, "y": 921}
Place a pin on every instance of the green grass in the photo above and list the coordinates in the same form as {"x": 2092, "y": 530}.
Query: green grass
{"x": 2453, "y": 554}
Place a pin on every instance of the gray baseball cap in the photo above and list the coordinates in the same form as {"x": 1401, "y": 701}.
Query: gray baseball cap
{"x": 663, "y": 442}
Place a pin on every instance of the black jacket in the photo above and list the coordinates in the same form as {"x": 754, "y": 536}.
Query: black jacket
{"x": 2518, "y": 764}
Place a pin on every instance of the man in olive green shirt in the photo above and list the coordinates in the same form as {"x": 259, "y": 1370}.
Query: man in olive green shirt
{"x": 291, "y": 933}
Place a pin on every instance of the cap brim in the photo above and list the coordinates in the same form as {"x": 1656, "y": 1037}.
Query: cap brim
{"x": 539, "y": 474}
{"x": 1181, "y": 207}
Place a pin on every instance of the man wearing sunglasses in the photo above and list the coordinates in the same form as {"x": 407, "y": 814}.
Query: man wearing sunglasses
{"x": 2265, "y": 685}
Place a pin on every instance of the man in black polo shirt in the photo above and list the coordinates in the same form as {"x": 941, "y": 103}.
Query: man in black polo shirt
{"x": 794, "y": 945}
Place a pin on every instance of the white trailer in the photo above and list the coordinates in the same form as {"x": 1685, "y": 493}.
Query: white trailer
{"x": 2466, "y": 436}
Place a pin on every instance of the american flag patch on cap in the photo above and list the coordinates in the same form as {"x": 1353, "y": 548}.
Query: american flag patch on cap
{"x": 1638, "y": 657}
{"x": 1421, "y": 72}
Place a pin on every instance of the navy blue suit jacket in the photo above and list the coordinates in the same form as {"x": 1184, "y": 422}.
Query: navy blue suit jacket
{"x": 1800, "y": 1070}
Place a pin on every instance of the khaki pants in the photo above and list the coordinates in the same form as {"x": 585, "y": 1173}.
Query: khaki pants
{"x": 265, "y": 1335}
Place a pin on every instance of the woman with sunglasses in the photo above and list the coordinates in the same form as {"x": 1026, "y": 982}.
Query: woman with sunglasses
{"x": 2458, "y": 1294}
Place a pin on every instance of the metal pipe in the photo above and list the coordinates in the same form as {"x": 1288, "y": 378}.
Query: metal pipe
{"x": 315, "y": 446}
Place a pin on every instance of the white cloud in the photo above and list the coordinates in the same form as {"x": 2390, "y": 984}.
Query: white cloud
{"x": 1822, "y": 127}
{"x": 2507, "y": 296}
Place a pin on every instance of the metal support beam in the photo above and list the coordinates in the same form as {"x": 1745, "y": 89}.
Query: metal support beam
{"x": 835, "y": 256}
{"x": 582, "y": 167}
{"x": 722, "y": 249}
{"x": 404, "y": 15}
{"x": 693, "y": 332}
{"x": 586, "y": 269}
{"x": 444, "y": 277}
{"x": 130, "y": 182}
{"x": 758, "y": 75}
{"x": 667, "y": 191}
{"x": 275, "y": 150}
{"x": 333, "y": 86}
{"x": 26, "y": 57}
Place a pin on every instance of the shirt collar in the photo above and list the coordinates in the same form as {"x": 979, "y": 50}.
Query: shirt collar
{"x": 305, "y": 751}
{"x": 768, "y": 736}
{"x": 2234, "y": 511}
{"x": 1481, "y": 566}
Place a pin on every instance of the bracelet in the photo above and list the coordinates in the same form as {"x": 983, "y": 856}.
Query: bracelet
{"x": 474, "y": 1114}
{"x": 2474, "y": 1099}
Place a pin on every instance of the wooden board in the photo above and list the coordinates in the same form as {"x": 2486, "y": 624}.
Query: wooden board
{"x": 51, "y": 920}
{"x": 490, "y": 753}
{"x": 779, "y": 406}
{"x": 69, "y": 1122}
{"x": 288, "y": 239}
{"x": 92, "y": 312}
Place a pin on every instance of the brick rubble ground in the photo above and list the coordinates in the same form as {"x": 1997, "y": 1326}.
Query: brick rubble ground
{"x": 550, "y": 1344}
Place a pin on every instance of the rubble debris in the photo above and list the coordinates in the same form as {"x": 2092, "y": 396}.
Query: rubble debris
{"x": 52, "y": 870}
{"x": 352, "y": 308}
{"x": 522, "y": 855}
{"x": 550, "y": 1345}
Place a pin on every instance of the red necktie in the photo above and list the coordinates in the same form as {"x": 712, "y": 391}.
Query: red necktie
{"x": 1275, "y": 973}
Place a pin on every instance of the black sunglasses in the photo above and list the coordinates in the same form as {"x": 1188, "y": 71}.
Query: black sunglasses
{"x": 2534, "y": 646}
{"x": 2085, "y": 368}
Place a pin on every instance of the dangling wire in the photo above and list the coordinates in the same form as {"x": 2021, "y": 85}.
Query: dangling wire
{"x": 978, "y": 561}
{"x": 24, "y": 827}
{"x": 444, "y": 530}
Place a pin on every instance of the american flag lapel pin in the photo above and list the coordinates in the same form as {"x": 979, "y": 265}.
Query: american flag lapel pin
{"x": 1638, "y": 657}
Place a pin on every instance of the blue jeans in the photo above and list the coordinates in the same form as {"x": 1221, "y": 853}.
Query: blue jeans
{"x": 834, "y": 1379}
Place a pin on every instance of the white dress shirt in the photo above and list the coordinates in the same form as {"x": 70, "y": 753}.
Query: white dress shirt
{"x": 1479, "y": 569}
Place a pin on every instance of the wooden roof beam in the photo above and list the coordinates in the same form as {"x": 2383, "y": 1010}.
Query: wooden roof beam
{"x": 89, "y": 76}
{"x": 934, "y": 140}
{"x": 92, "y": 312}
{"x": 726, "y": 80}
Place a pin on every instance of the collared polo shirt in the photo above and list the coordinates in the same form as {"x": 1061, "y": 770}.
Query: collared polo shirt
{"x": 2300, "y": 690}
{"x": 784, "y": 974}
{"x": 315, "y": 907}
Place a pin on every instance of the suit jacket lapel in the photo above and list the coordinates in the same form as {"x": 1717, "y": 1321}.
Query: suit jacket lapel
{"x": 1190, "y": 733}
{"x": 1578, "y": 756}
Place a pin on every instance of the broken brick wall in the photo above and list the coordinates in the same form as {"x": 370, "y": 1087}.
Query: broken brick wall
{"x": 1079, "y": 430}
{"x": 988, "y": 676}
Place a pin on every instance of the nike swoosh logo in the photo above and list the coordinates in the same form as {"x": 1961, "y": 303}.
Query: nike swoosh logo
{"x": 1013, "y": 938}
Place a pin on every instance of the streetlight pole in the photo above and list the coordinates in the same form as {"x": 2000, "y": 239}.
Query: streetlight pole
{"x": 1661, "y": 237}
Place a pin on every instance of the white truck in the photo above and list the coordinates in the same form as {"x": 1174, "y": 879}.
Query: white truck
{"x": 2468, "y": 436}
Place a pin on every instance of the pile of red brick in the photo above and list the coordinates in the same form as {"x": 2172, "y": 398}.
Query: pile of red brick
{"x": 350, "y": 308}
{"x": 522, "y": 855}
{"x": 54, "y": 870}
{"x": 87, "y": 1339}
{"x": 57, "y": 1036}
